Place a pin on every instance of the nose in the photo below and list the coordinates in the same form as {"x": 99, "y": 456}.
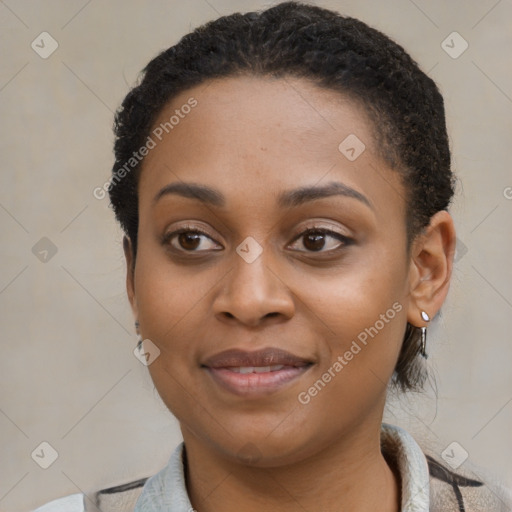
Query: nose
{"x": 254, "y": 294}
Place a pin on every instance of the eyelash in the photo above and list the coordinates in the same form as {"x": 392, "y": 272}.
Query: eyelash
{"x": 166, "y": 239}
{"x": 345, "y": 241}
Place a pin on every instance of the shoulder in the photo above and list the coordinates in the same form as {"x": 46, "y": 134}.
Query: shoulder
{"x": 71, "y": 503}
{"x": 465, "y": 490}
{"x": 431, "y": 483}
{"x": 168, "y": 485}
{"x": 121, "y": 498}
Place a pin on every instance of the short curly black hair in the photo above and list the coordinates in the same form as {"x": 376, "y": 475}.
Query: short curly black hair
{"x": 294, "y": 39}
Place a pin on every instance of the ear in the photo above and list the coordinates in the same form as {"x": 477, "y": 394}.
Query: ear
{"x": 431, "y": 268}
{"x": 130, "y": 274}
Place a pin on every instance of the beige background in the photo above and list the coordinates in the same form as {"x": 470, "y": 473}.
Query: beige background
{"x": 68, "y": 374}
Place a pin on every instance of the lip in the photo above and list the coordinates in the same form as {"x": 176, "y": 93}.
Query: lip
{"x": 277, "y": 369}
{"x": 263, "y": 357}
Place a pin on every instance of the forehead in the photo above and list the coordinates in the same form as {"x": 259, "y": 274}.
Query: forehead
{"x": 253, "y": 135}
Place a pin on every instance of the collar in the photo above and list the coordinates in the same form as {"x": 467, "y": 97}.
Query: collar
{"x": 401, "y": 448}
{"x": 167, "y": 489}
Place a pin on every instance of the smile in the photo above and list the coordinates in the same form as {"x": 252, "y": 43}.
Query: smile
{"x": 254, "y": 374}
{"x": 256, "y": 369}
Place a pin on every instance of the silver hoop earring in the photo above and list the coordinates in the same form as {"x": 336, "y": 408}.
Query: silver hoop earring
{"x": 423, "y": 342}
{"x": 423, "y": 337}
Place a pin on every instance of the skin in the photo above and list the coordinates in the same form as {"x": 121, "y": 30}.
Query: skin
{"x": 252, "y": 138}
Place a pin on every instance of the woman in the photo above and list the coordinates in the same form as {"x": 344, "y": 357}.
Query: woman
{"x": 283, "y": 180}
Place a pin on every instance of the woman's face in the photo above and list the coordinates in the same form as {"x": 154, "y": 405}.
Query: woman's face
{"x": 280, "y": 309}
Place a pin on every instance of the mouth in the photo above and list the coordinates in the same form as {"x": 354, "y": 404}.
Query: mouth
{"x": 256, "y": 369}
{"x": 255, "y": 374}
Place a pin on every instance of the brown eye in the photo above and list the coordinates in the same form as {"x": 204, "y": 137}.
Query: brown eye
{"x": 314, "y": 241}
{"x": 190, "y": 240}
{"x": 320, "y": 240}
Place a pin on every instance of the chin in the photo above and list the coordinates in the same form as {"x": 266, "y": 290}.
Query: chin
{"x": 261, "y": 450}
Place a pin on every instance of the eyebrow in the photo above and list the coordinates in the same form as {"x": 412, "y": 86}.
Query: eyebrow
{"x": 301, "y": 195}
{"x": 202, "y": 193}
{"x": 285, "y": 199}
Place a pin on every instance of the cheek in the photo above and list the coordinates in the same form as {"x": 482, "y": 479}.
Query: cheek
{"x": 354, "y": 296}
{"x": 169, "y": 294}
{"x": 361, "y": 313}
{"x": 360, "y": 349}
{"x": 173, "y": 305}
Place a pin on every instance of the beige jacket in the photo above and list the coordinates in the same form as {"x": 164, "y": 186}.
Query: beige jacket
{"x": 428, "y": 484}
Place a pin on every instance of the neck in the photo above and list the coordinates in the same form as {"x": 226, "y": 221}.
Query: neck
{"x": 351, "y": 475}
